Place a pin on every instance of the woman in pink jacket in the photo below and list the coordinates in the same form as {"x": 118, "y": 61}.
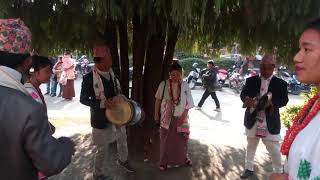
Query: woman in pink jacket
{"x": 68, "y": 76}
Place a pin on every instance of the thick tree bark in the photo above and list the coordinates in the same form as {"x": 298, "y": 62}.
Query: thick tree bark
{"x": 140, "y": 34}
{"x": 152, "y": 78}
{"x": 112, "y": 41}
{"x": 152, "y": 73}
{"x": 124, "y": 47}
{"x": 172, "y": 39}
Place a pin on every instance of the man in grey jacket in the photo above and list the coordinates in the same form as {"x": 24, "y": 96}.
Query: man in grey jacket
{"x": 26, "y": 141}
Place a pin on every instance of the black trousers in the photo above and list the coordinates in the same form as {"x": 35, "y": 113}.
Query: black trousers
{"x": 206, "y": 95}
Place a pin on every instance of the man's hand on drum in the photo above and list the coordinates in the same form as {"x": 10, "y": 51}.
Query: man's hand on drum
{"x": 114, "y": 100}
{"x": 118, "y": 98}
{"x": 109, "y": 103}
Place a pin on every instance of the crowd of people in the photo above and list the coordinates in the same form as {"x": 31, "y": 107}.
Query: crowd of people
{"x": 63, "y": 74}
{"x": 30, "y": 150}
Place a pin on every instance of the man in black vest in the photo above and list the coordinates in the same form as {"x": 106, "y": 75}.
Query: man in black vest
{"x": 101, "y": 90}
{"x": 263, "y": 96}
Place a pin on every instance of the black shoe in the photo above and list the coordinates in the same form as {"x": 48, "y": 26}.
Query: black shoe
{"x": 46, "y": 93}
{"x": 126, "y": 166}
{"x": 53, "y": 95}
{"x": 246, "y": 174}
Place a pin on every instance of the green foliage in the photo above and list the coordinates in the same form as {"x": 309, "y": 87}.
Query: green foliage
{"x": 187, "y": 64}
{"x": 270, "y": 24}
{"x": 184, "y": 55}
{"x": 203, "y": 24}
{"x": 290, "y": 112}
{"x": 224, "y": 63}
{"x": 288, "y": 115}
{"x": 312, "y": 93}
{"x": 74, "y": 24}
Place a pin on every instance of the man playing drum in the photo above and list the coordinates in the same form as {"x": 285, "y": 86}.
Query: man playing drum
{"x": 101, "y": 90}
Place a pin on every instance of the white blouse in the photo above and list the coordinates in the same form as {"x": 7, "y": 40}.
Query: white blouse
{"x": 186, "y": 101}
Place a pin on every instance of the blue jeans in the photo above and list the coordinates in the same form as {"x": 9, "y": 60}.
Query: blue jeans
{"x": 48, "y": 87}
{"x": 52, "y": 86}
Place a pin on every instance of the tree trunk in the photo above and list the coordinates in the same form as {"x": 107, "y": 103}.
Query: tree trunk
{"x": 140, "y": 34}
{"x": 152, "y": 73}
{"x": 152, "y": 78}
{"x": 172, "y": 39}
{"x": 112, "y": 41}
{"x": 124, "y": 47}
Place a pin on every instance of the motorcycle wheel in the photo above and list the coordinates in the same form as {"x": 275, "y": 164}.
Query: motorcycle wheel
{"x": 219, "y": 87}
{"x": 230, "y": 84}
{"x": 192, "y": 84}
{"x": 237, "y": 89}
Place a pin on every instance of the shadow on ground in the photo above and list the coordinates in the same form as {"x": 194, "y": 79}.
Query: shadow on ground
{"x": 55, "y": 103}
{"x": 209, "y": 163}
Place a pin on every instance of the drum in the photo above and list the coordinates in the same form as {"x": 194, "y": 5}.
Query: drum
{"x": 126, "y": 112}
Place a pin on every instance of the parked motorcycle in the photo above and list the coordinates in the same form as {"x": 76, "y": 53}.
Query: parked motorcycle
{"x": 83, "y": 65}
{"x": 295, "y": 87}
{"x": 286, "y": 76}
{"x": 194, "y": 77}
{"x": 222, "y": 76}
{"x": 236, "y": 81}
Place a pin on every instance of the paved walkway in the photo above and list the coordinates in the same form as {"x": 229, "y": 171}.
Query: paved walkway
{"x": 217, "y": 145}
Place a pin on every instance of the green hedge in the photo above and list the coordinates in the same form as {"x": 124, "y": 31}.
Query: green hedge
{"x": 224, "y": 63}
{"x": 187, "y": 64}
{"x": 221, "y": 63}
{"x": 183, "y": 55}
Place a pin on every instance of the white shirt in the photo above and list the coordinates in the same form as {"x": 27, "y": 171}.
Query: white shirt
{"x": 265, "y": 85}
{"x": 107, "y": 75}
{"x": 186, "y": 100}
